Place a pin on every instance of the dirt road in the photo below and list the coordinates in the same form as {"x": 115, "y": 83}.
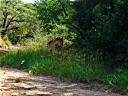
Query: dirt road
{"x": 20, "y": 83}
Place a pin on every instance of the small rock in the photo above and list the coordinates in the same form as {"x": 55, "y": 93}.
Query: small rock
{"x": 5, "y": 93}
{"x": 25, "y": 86}
{"x": 17, "y": 80}
{"x": 68, "y": 94}
{"x": 44, "y": 94}
{"x": 38, "y": 93}
{"x": 4, "y": 88}
{"x": 15, "y": 94}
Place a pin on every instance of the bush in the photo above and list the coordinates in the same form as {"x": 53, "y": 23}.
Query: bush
{"x": 6, "y": 40}
{"x": 104, "y": 29}
{"x": 1, "y": 42}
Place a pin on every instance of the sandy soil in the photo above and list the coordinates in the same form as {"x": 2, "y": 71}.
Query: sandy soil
{"x": 15, "y": 82}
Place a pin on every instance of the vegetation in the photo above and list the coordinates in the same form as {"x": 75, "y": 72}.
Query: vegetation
{"x": 94, "y": 33}
{"x": 17, "y": 20}
{"x": 104, "y": 25}
{"x": 68, "y": 66}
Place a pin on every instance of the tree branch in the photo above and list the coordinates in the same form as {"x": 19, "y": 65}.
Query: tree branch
{"x": 5, "y": 18}
{"x": 10, "y": 21}
{"x": 13, "y": 28}
{"x": 18, "y": 20}
{"x": 63, "y": 7}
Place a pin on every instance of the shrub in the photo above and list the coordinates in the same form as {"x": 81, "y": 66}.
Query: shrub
{"x": 1, "y": 42}
{"x": 104, "y": 29}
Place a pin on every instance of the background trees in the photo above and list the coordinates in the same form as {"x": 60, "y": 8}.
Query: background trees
{"x": 104, "y": 25}
{"x": 56, "y": 17}
{"x": 17, "y": 19}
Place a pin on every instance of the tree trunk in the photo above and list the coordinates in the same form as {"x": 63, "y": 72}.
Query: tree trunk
{"x": 4, "y": 23}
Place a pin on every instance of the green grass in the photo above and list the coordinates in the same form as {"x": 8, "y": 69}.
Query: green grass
{"x": 68, "y": 65}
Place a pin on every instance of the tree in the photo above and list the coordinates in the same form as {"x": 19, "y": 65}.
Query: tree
{"x": 16, "y": 17}
{"x": 56, "y": 16}
{"x": 104, "y": 24}
{"x": 13, "y": 14}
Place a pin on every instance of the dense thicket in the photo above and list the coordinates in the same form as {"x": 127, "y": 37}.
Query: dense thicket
{"x": 104, "y": 25}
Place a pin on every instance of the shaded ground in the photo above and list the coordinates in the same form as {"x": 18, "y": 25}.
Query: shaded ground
{"x": 19, "y": 83}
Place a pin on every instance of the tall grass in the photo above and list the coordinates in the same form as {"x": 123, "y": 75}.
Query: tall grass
{"x": 67, "y": 65}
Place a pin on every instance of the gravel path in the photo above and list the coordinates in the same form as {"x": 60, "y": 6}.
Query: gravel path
{"x": 20, "y": 83}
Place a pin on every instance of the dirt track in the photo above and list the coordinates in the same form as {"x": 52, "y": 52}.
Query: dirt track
{"x": 19, "y": 83}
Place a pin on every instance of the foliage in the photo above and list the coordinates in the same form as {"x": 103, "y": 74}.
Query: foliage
{"x": 56, "y": 16}
{"x": 17, "y": 19}
{"x": 104, "y": 28}
{"x": 2, "y": 42}
{"x": 6, "y": 41}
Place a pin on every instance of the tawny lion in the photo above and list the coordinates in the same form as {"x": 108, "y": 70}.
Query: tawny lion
{"x": 55, "y": 44}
